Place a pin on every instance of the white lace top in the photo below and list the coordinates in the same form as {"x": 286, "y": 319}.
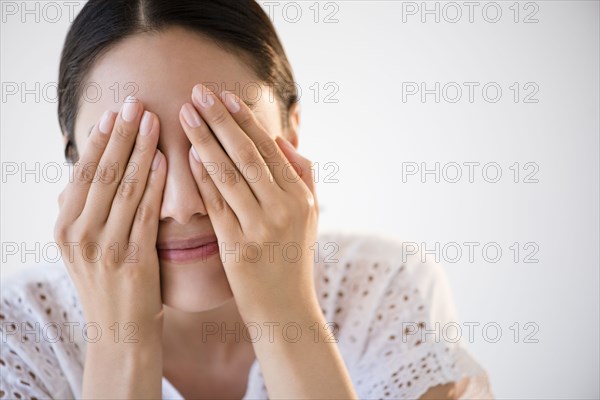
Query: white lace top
{"x": 379, "y": 303}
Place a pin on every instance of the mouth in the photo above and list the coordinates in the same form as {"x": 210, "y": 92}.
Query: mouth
{"x": 198, "y": 248}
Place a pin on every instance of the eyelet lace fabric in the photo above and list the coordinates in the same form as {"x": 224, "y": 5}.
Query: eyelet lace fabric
{"x": 378, "y": 302}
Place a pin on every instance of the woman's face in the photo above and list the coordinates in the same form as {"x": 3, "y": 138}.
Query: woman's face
{"x": 161, "y": 69}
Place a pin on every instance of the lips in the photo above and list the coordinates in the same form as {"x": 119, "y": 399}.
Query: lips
{"x": 189, "y": 249}
{"x": 189, "y": 243}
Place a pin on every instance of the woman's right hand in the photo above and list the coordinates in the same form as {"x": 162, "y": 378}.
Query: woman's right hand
{"x": 108, "y": 224}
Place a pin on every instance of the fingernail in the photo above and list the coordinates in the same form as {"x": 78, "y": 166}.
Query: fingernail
{"x": 156, "y": 160}
{"x": 196, "y": 156}
{"x": 203, "y": 96}
{"x": 190, "y": 115}
{"x": 105, "y": 122}
{"x": 147, "y": 123}
{"x": 230, "y": 102}
{"x": 130, "y": 108}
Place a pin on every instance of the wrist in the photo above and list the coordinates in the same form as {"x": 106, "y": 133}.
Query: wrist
{"x": 299, "y": 308}
{"x": 124, "y": 335}
{"x": 298, "y": 323}
{"x": 123, "y": 370}
{"x": 124, "y": 353}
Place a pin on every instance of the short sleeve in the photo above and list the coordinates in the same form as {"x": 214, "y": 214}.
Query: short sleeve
{"x": 380, "y": 306}
{"x": 40, "y": 357}
{"x": 17, "y": 378}
{"x": 413, "y": 342}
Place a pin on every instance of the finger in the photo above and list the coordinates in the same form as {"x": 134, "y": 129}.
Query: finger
{"x": 283, "y": 173}
{"x": 220, "y": 168}
{"x": 144, "y": 229}
{"x": 238, "y": 145}
{"x": 302, "y": 166}
{"x": 113, "y": 163}
{"x": 72, "y": 199}
{"x": 220, "y": 213}
{"x": 133, "y": 184}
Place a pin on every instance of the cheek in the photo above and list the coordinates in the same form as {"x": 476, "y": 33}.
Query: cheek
{"x": 81, "y": 139}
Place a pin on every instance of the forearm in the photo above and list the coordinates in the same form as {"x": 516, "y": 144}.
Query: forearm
{"x": 123, "y": 370}
{"x": 304, "y": 364}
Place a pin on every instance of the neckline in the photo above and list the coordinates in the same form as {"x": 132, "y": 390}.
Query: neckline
{"x": 170, "y": 392}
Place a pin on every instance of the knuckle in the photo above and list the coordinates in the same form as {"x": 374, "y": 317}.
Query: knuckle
{"x": 218, "y": 204}
{"x": 84, "y": 173}
{"x": 131, "y": 253}
{"x": 126, "y": 189}
{"x": 245, "y": 120}
{"x": 98, "y": 142}
{"x": 61, "y": 232}
{"x": 144, "y": 213}
{"x": 247, "y": 155}
{"x": 141, "y": 146}
{"x": 203, "y": 137}
{"x": 122, "y": 133}
{"x": 218, "y": 118}
{"x": 106, "y": 173}
{"x": 230, "y": 177}
{"x": 306, "y": 203}
{"x": 131, "y": 273}
{"x": 86, "y": 239}
{"x": 267, "y": 148}
{"x": 112, "y": 260}
{"x": 115, "y": 254}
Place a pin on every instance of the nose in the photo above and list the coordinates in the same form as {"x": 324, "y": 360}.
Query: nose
{"x": 181, "y": 196}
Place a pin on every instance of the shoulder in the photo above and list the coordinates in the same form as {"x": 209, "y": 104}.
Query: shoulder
{"x": 384, "y": 298}
{"x": 42, "y": 293}
{"x": 40, "y": 328}
{"x": 369, "y": 264}
{"x": 368, "y": 281}
{"x": 371, "y": 261}
{"x": 36, "y": 278}
{"x": 378, "y": 248}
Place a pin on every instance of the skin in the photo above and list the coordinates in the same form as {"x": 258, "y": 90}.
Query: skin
{"x": 170, "y": 303}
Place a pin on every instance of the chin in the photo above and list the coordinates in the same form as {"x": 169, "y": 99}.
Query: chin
{"x": 194, "y": 287}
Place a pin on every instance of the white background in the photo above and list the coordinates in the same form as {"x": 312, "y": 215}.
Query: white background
{"x": 370, "y": 132}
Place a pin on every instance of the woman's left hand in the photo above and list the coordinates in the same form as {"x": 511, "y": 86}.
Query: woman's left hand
{"x": 260, "y": 197}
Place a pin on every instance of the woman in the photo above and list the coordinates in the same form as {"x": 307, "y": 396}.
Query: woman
{"x": 189, "y": 235}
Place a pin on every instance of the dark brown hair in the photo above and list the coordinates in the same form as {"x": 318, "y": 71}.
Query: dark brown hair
{"x": 239, "y": 26}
